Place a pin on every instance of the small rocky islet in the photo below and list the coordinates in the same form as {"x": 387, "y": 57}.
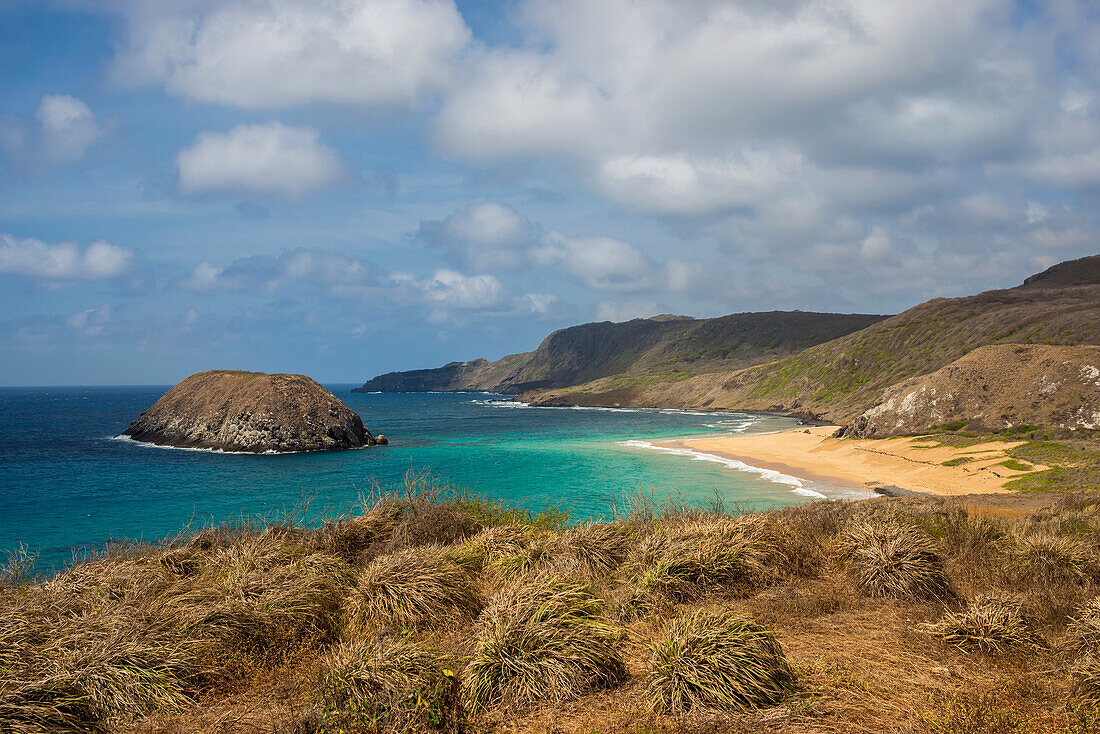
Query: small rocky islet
{"x": 234, "y": 410}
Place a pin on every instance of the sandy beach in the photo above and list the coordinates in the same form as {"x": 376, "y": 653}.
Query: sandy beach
{"x": 912, "y": 464}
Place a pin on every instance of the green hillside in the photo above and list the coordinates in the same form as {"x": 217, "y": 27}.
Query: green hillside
{"x": 649, "y": 350}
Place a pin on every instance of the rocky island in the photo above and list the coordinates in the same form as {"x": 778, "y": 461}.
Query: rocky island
{"x": 233, "y": 410}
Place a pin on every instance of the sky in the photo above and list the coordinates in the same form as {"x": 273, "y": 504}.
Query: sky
{"x": 347, "y": 187}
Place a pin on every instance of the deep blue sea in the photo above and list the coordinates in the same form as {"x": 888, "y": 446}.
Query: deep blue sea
{"x": 67, "y": 483}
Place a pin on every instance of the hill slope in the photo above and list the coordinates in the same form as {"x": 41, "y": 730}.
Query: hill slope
{"x": 663, "y": 347}
{"x": 840, "y": 379}
{"x": 994, "y": 388}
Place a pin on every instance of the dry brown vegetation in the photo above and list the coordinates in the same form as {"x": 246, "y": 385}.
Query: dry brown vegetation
{"x": 431, "y": 611}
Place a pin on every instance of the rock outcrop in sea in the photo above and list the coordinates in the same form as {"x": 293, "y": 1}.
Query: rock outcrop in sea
{"x": 256, "y": 412}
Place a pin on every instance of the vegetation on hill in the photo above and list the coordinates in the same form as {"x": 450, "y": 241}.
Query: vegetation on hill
{"x": 429, "y": 611}
{"x": 840, "y": 379}
{"x": 660, "y": 348}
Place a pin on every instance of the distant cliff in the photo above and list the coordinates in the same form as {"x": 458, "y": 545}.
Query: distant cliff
{"x": 659, "y": 348}
{"x": 250, "y": 411}
{"x": 840, "y": 379}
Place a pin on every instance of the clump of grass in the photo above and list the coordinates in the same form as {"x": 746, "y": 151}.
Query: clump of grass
{"x": 717, "y": 660}
{"x": 388, "y": 682}
{"x": 593, "y": 550}
{"x": 704, "y": 554}
{"x": 1083, "y": 631}
{"x": 889, "y": 559}
{"x": 18, "y": 569}
{"x": 412, "y": 587}
{"x": 988, "y": 624}
{"x": 547, "y": 639}
{"x": 495, "y": 543}
{"x": 1050, "y": 557}
{"x": 82, "y": 673}
{"x": 262, "y": 599}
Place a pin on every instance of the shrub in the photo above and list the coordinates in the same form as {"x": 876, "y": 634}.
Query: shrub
{"x": 889, "y": 559}
{"x": 542, "y": 640}
{"x": 388, "y": 681}
{"x": 1048, "y": 557}
{"x": 988, "y": 624}
{"x": 410, "y": 587}
{"x": 717, "y": 659}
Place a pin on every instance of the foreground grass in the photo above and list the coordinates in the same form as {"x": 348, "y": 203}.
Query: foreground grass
{"x": 427, "y": 610}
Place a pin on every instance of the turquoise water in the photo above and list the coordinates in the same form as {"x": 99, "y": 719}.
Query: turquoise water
{"x": 67, "y": 483}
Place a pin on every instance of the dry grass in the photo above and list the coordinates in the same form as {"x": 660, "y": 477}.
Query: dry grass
{"x": 1083, "y": 632}
{"x": 889, "y": 559}
{"x": 412, "y": 587}
{"x": 988, "y": 624}
{"x": 546, "y": 640}
{"x": 685, "y": 559}
{"x": 388, "y": 681}
{"x": 354, "y": 624}
{"x": 716, "y": 659}
{"x": 1047, "y": 557}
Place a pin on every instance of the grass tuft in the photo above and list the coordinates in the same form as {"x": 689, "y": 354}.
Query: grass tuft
{"x": 1083, "y": 632}
{"x": 717, "y": 660}
{"x": 988, "y": 624}
{"x": 547, "y": 639}
{"x": 388, "y": 681}
{"x": 1048, "y": 557}
{"x": 889, "y": 559}
{"x": 415, "y": 586}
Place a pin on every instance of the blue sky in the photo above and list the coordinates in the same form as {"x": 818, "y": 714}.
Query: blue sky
{"x": 347, "y": 187}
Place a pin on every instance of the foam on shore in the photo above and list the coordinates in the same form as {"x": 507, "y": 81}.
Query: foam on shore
{"x": 798, "y": 486}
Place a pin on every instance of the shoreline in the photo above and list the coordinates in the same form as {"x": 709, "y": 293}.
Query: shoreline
{"x": 891, "y": 467}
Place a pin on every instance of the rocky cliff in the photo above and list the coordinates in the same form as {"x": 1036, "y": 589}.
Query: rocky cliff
{"x": 250, "y": 411}
{"x": 641, "y": 350}
{"x": 840, "y": 379}
{"x": 991, "y": 389}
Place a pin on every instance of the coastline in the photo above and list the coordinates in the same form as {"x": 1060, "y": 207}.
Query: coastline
{"x": 886, "y": 466}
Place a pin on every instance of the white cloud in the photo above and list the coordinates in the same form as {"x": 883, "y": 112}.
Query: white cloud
{"x": 278, "y": 53}
{"x": 63, "y": 130}
{"x": 451, "y": 289}
{"x": 609, "y": 264}
{"x": 625, "y": 311}
{"x": 269, "y": 158}
{"x": 90, "y": 321}
{"x": 482, "y": 236}
{"x": 335, "y": 274}
{"x": 602, "y": 263}
{"x": 64, "y": 261}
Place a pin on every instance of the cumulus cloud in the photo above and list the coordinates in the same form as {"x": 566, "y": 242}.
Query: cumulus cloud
{"x": 90, "y": 321}
{"x": 625, "y": 311}
{"x": 64, "y": 261}
{"x": 803, "y": 133}
{"x": 63, "y": 129}
{"x": 263, "y": 159}
{"x": 609, "y": 264}
{"x": 335, "y": 274}
{"x": 482, "y": 236}
{"x": 451, "y": 289}
{"x": 277, "y": 53}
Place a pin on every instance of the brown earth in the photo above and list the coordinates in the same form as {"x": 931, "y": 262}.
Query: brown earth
{"x": 991, "y": 389}
{"x": 233, "y": 410}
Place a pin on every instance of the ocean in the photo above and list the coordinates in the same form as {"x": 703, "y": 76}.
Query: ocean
{"x": 67, "y": 483}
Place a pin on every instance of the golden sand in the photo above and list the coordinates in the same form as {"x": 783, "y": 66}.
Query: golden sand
{"x": 914, "y": 464}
